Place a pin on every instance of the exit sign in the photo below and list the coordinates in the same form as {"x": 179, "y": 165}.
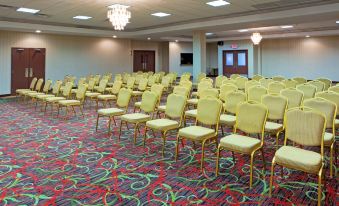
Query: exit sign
{"x": 234, "y": 46}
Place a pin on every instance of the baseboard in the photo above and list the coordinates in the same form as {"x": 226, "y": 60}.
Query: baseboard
{"x": 5, "y": 95}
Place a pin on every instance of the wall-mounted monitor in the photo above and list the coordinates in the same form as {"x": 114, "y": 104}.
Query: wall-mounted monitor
{"x": 186, "y": 59}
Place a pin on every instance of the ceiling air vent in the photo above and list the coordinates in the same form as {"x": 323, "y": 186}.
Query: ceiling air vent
{"x": 2, "y": 6}
{"x": 41, "y": 15}
{"x": 290, "y": 4}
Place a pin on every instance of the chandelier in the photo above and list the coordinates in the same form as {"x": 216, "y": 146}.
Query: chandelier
{"x": 119, "y": 16}
{"x": 256, "y": 38}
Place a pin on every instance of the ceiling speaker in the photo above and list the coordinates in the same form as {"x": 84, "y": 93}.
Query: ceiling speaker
{"x": 220, "y": 43}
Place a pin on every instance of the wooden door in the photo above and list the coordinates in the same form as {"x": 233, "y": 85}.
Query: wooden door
{"x": 235, "y": 62}
{"x": 20, "y": 69}
{"x": 143, "y": 61}
{"x": 37, "y": 62}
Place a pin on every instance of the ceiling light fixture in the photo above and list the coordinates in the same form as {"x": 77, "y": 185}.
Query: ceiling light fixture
{"x": 27, "y": 10}
{"x": 218, "y": 3}
{"x": 82, "y": 17}
{"x": 337, "y": 22}
{"x": 256, "y": 38}
{"x": 149, "y": 38}
{"x": 287, "y": 27}
{"x": 243, "y": 30}
{"x": 176, "y": 40}
{"x": 119, "y": 16}
{"x": 38, "y": 31}
{"x": 114, "y": 36}
{"x": 160, "y": 14}
{"x": 209, "y": 34}
{"x": 307, "y": 36}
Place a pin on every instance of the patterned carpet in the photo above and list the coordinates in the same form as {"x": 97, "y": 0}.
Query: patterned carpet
{"x": 49, "y": 161}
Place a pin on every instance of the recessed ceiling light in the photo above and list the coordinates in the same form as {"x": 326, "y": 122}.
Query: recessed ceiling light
{"x": 337, "y": 22}
{"x": 38, "y": 31}
{"x": 149, "y": 38}
{"x": 160, "y": 14}
{"x": 82, "y": 17}
{"x": 243, "y": 30}
{"x": 118, "y": 5}
{"x": 209, "y": 34}
{"x": 287, "y": 27}
{"x": 218, "y": 3}
{"x": 307, "y": 36}
{"x": 27, "y": 10}
{"x": 176, "y": 40}
{"x": 114, "y": 36}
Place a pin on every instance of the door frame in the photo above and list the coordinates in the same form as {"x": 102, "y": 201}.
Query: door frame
{"x": 234, "y": 71}
{"x": 137, "y": 50}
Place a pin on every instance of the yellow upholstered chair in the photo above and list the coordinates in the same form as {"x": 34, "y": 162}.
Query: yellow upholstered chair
{"x": 294, "y": 97}
{"x": 151, "y": 81}
{"x": 55, "y": 92}
{"x": 148, "y": 105}
{"x": 334, "y": 89}
{"x": 202, "y": 92}
{"x": 123, "y": 100}
{"x": 173, "y": 117}
{"x": 304, "y": 127}
{"x": 200, "y": 77}
{"x": 275, "y": 87}
{"x": 202, "y": 86}
{"x": 308, "y": 90}
{"x": 45, "y": 90}
{"x": 278, "y": 78}
{"x": 66, "y": 94}
{"x": 178, "y": 90}
{"x": 229, "y": 81}
{"x": 187, "y": 84}
{"x": 81, "y": 81}
{"x": 166, "y": 83}
{"x": 110, "y": 97}
{"x": 130, "y": 82}
{"x": 240, "y": 82}
{"x": 91, "y": 85}
{"x": 327, "y": 82}
{"x": 219, "y": 80}
{"x": 265, "y": 82}
{"x": 97, "y": 79}
{"x": 37, "y": 89}
{"x": 232, "y": 100}
{"x": 333, "y": 97}
{"x": 251, "y": 118}
{"x": 276, "y": 106}
{"x": 207, "y": 79}
{"x": 208, "y": 113}
{"x": 290, "y": 83}
{"x": 257, "y": 77}
{"x": 250, "y": 84}
{"x": 234, "y": 76}
{"x": 158, "y": 90}
{"x": 318, "y": 84}
{"x": 31, "y": 87}
{"x": 142, "y": 86}
{"x": 77, "y": 102}
{"x": 225, "y": 89}
{"x": 329, "y": 109}
{"x": 93, "y": 96}
{"x": 255, "y": 93}
{"x": 300, "y": 80}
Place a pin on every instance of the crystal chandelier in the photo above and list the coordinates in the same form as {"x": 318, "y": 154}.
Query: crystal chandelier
{"x": 119, "y": 16}
{"x": 256, "y": 38}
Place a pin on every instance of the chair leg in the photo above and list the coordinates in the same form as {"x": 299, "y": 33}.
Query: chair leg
{"x": 217, "y": 162}
{"x": 177, "y": 148}
{"x": 145, "y": 136}
{"x": 331, "y": 160}
{"x": 263, "y": 158}
{"x": 319, "y": 187}
{"x": 233, "y": 157}
{"x": 277, "y": 140}
{"x": 136, "y": 128}
{"x": 82, "y": 113}
{"x": 251, "y": 169}
{"x": 74, "y": 111}
{"x": 115, "y": 123}
{"x": 271, "y": 178}
{"x": 109, "y": 125}
{"x": 282, "y": 172}
{"x": 202, "y": 155}
{"x": 96, "y": 127}
{"x": 222, "y": 130}
{"x": 120, "y": 130}
{"x": 164, "y": 144}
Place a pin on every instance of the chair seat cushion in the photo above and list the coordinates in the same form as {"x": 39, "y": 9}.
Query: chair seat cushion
{"x": 137, "y": 104}
{"x": 44, "y": 96}
{"x": 194, "y": 94}
{"x": 107, "y": 97}
{"x": 137, "y": 93}
{"x": 35, "y": 94}
{"x": 70, "y": 102}
{"x": 191, "y": 113}
{"x": 328, "y": 139}
{"x": 227, "y": 119}
{"x": 336, "y": 123}
{"x": 299, "y": 159}
{"x": 21, "y": 90}
{"x": 135, "y": 117}
{"x": 110, "y": 84}
{"x": 196, "y": 132}
{"x": 111, "y": 112}
{"x": 54, "y": 99}
{"x": 28, "y": 92}
{"x": 162, "y": 124}
{"x": 273, "y": 127}
{"x": 239, "y": 143}
{"x": 162, "y": 108}
{"x": 74, "y": 91}
{"x": 193, "y": 101}
{"x": 92, "y": 94}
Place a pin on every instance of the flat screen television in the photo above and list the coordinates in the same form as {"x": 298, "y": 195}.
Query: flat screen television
{"x": 186, "y": 58}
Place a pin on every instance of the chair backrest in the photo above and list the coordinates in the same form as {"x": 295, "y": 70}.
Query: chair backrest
{"x": 326, "y": 81}
{"x": 225, "y": 89}
{"x": 208, "y": 111}
{"x": 334, "y": 89}
{"x": 255, "y": 93}
{"x": 308, "y": 90}
{"x": 234, "y": 76}
{"x": 148, "y": 101}
{"x": 305, "y": 127}
{"x": 142, "y": 84}
{"x": 219, "y": 80}
{"x": 166, "y": 81}
{"x": 241, "y": 82}
{"x": 67, "y": 89}
{"x": 251, "y": 117}
{"x": 39, "y": 84}
{"x": 181, "y": 91}
{"x": 207, "y": 79}
{"x": 97, "y": 78}
{"x": 250, "y": 84}
{"x": 276, "y": 106}
{"x": 265, "y": 82}
{"x": 102, "y": 85}
{"x": 118, "y": 77}
{"x": 116, "y": 87}
{"x": 328, "y": 108}
{"x": 47, "y": 86}
{"x": 33, "y": 82}
{"x": 211, "y": 92}
{"x": 151, "y": 80}
{"x": 203, "y": 86}
{"x": 201, "y": 76}
{"x": 294, "y": 97}
{"x": 229, "y": 81}
{"x": 157, "y": 89}
{"x": 124, "y": 96}
{"x": 275, "y": 87}
{"x": 318, "y": 84}
{"x": 82, "y": 80}
{"x": 91, "y": 84}
{"x": 130, "y": 82}
{"x": 175, "y": 106}
{"x": 331, "y": 96}
{"x": 278, "y": 78}
{"x": 56, "y": 87}
{"x": 300, "y": 80}
{"x": 232, "y": 100}
{"x": 257, "y": 77}
{"x": 290, "y": 83}
{"x": 81, "y": 92}
{"x": 187, "y": 84}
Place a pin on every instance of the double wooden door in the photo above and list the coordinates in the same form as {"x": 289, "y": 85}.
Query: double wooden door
{"x": 143, "y": 61}
{"x": 235, "y": 62}
{"x": 27, "y": 63}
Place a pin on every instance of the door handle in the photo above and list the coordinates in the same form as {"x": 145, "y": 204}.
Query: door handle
{"x": 31, "y": 72}
{"x": 26, "y": 72}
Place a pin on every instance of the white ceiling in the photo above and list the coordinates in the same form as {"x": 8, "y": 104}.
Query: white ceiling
{"x": 187, "y": 15}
